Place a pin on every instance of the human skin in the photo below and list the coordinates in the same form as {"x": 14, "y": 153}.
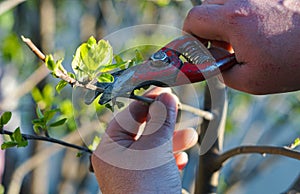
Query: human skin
{"x": 157, "y": 174}
{"x": 264, "y": 35}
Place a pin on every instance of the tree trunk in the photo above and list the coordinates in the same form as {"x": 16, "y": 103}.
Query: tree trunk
{"x": 211, "y": 137}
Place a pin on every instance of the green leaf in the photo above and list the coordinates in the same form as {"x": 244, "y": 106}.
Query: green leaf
{"x": 105, "y": 77}
{"x": 91, "y": 41}
{"x": 71, "y": 75}
{"x": 36, "y": 95}
{"x": 95, "y": 143}
{"x": 59, "y": 67}
{"x": 120, "y": 104}
{"x": 50, "y": 63}
{"x": 110, "y": 107}
{"x": 90, "y": 58}
{"x": 5, "y": 117}
{"x": 61, "y": 84}
{"x": 37, "y": 128}
{"x": 79, "y": 154}
{"x": 17, "y": 136}
{"x": 22, "y": 143}
{"x": 118, "y": 59}
{"x": 162, "y": 3}
{"x": 11, "y": 49}
{"x": 114, "y": 66}
{"x": 8, "y": 144}
{"x": 17, "y": 140}
{"x": 131, "y": 63}
{"x": 40, "y": 121}
{"x": 138, "y": 56}
{"x": 295, "y": 144}
{"x": 39, "y": 112}
{"x": 49, "y": 114}
{"x": 58, "y": 123}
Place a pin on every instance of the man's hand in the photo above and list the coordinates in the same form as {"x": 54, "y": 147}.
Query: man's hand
{"x": 125, "y": 163}
{"x": 264, "y": 35}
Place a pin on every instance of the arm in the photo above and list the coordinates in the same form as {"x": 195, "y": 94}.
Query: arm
{"x": 264, "y": 35}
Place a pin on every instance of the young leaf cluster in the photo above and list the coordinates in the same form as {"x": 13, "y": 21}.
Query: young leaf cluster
{"x": 295, "y": 144}
{"x": 44, "y": 121}
{"x": 92, "y": 61}
{"x": 4, "y": 119}
{"x": 91, "y": 58}
{"x": 16, "y": 138}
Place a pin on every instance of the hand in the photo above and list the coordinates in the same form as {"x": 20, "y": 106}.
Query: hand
{"x": 264, "y": 35}
{"x": 124, "y": 164}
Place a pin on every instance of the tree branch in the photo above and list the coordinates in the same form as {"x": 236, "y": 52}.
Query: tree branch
{"x": 201, "y": 113}
{"x": 9, "y": 4}
{"x": 33, "y": 48}
{"x": 283, "y": 151}
{"x": 60, "y": 74}
{"x": 48, "y": 139}
{"x": 43, "y": 155}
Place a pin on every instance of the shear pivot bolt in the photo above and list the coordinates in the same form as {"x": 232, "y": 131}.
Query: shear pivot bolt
{"x": 159, "y": 56}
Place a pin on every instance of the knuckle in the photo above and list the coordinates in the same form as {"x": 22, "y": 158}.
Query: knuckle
{"x": 193, "y": 13}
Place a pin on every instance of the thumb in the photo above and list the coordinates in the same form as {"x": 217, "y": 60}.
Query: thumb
{"x": 160, "y": 122}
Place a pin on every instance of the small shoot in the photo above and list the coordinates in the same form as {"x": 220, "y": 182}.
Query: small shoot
{"x": 44, "y": 120}
{"x": 295, "y": 144}
{"x": 95, "y": 143}
{"x": 16, "y": 139}
{"x": 4, "y": 119}
{"x": 91, "y": 58}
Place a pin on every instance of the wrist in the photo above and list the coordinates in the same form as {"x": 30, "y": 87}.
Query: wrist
{"x": 162, "y": 179}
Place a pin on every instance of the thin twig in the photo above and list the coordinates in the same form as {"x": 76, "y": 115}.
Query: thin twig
{"x": 48, "y": 139}
{"x": 60, "y": 74}
{"x": 9, "y": 4}
{"x": 283, "y": 151}
{"x": 75, "y": 83}
{"x": 34, "y": 48}
{"x": 201, "y": 113}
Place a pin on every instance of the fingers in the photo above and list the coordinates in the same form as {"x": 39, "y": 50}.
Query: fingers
{"x": 184, "y": 139}
{"x": 207, "y": 22}
{"x": 135, "y": 107}
{"x": 181, "y": 159}
{"x": 160, "y": 123}
{"x": 128, "y": 121}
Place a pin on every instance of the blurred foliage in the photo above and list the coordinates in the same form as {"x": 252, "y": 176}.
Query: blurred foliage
{"x": 12, "y": 50}
{"x": 51, "y": 103}
{"x": 1, "y": 189}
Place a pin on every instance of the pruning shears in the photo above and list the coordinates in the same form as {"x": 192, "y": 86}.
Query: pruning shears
{"x": 182, "y": 61}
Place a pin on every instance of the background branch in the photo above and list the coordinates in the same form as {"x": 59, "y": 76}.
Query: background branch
{"x": 222, "y": 158}
{"x": 48, "y": 139}
{"x": 9, "y": 4}
{"x": 43, "y": 155}
{"x": 60, "y": 74}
